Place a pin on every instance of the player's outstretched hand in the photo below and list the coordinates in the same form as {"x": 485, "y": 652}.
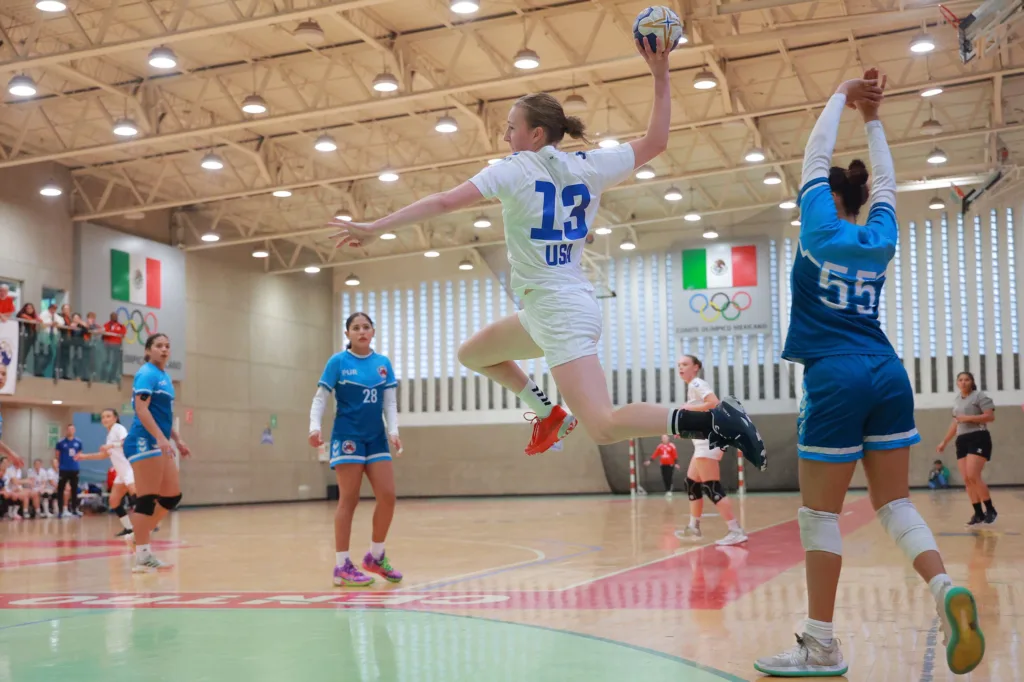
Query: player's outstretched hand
{"x": 861, "y": 89}
{"x": 353, "y": 235}
{"x": 315, "y": 439}
{"x": 396, "y": 443}
{"x": 657, "y": 60}
{"x": 869, "y": 108}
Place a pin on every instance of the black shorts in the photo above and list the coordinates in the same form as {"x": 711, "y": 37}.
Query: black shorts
{"x": 974, "y": 443}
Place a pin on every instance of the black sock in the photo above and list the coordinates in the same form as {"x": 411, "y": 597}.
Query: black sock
{"x": 977, "y": 509}
{"x": 691, "y": 424}
{"x": 989, "y": 507}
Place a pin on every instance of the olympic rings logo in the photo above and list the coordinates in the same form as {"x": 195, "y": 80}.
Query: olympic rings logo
{"x": 720, "y": 306}
{"x": 142, "y": 325}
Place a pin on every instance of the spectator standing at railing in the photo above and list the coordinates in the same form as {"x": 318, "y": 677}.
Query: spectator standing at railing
{"x": 79, "y": 334}
{"x": 49, "y": 320}
{"x": 28, "y": 329}
{"x": 92, "y": 343}
{"x": 63, "y": 325}
{"x": 6, "y": 303}
{"x": 113, "y": 337}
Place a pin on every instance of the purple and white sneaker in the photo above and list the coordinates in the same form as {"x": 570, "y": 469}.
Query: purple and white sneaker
{"x": 350, "y": 576}
{"x": 381, "y": 567}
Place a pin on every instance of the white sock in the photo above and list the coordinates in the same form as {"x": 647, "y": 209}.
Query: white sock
{"x": 126, "y": 522}
{"x": 734, "y": 525}
{"x": 694, "y": 522}
{"x": 535, "y": 399}
{"x": 340, "y": 558}
{"x": 377, "y": 550}
{"x": 938, "y": 585}
{"x": 821, "y": 631}
{"x": 141, "y": 551}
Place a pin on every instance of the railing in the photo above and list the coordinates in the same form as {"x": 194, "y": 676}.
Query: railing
{"x": 74, "y": 353}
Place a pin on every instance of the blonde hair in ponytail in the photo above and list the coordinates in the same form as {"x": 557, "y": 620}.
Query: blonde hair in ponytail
{"x": 544, "y": 111}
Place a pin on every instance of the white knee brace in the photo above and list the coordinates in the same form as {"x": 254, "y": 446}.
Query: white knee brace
{"x": 905, "y": 526}
{"x": 819, "y": 531}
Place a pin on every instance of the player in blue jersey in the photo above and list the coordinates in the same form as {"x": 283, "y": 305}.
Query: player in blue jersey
{"x": 363, "y": 383}
{"x": 858, "y": 404}
{"x": 4, "y": 448}
{"x": 549, "y": 199}
{"x": 148, "y": 447}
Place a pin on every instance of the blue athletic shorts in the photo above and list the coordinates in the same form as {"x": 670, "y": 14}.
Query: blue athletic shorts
{"x": 346, "y": 450}
{"x": 139, "y": 448}
{"x": 854, "y": 403}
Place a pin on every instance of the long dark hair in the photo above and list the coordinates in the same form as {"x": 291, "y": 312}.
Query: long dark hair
{"x": 352, "y": 318}
{"x": 851, "y": 185}
{"x": 544, "y": 111}
{"x": 24, "y": 310}
{"x": 974, "y": 385}
{"x": 150, "y": 341}
{"x": 112, "y": 411}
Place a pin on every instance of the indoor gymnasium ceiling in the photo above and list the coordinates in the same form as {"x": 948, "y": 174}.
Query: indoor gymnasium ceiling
{"x": 775, "y": 63}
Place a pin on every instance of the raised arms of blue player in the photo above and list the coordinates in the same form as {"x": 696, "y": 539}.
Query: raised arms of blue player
{"x": 883, "y": 172}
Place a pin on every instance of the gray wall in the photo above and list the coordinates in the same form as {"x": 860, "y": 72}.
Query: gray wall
{"x": 92, "y": 291}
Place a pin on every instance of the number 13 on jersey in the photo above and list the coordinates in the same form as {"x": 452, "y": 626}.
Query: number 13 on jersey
{"x": 572, "y": 230}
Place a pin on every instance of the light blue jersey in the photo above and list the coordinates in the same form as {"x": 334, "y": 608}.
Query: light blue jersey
{"x": 837, "y": 279}
{"x": 358, "y": 384}
{"x": 153, "y": 382}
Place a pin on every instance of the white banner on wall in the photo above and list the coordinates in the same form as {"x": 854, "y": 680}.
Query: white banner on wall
{"x": 722, "y": 289}
{"x": 9, "y": 354}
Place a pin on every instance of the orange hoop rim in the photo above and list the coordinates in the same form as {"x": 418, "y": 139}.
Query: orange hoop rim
{"x": 948, "y": 15}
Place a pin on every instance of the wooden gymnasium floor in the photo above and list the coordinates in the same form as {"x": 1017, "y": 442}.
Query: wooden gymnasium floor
{"x": 531, "y": 590}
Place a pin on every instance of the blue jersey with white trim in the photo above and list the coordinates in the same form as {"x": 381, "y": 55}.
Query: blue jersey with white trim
{"x": 358, "y": 384}
{"x": 837, "y": 279}
{"x": 152, "y": 381}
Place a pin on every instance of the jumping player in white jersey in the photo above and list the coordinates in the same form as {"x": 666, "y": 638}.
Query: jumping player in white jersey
{"x": 858, "y": 403}
{"x": 122, "y": 493}
{"x": 549, "y": 201}
{"x": 703, "y": 476}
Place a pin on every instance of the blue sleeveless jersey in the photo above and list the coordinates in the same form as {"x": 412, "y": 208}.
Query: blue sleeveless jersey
{"x": 837, "y": 279}
{"x": 358, "y": 385}
{"x": 152, "y": 381}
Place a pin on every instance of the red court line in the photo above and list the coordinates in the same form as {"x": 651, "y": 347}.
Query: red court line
{"x": 707, "y": 578}
{"x": 58, "y": 544}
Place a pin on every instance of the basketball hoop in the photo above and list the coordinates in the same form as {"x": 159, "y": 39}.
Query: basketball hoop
{"x": 947, "y": 14}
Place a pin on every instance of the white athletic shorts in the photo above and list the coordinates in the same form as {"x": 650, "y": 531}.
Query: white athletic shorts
{"x": 701, "y": 450}
{"x": 125, "y": 475}
{"x": 566, "y": 324}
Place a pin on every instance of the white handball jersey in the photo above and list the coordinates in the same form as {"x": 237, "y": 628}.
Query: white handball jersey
{"x": 115, "y": 439}
{"x": 549, "y": 200}
{"x": 696, "y": 391}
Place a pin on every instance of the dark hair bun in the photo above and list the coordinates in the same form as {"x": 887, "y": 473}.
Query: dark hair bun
{"x": 857, "y": 172}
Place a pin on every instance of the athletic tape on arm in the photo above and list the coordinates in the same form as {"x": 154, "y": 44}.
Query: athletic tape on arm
{"x": 391, "y": 410}
{"x": 316, "y": 412}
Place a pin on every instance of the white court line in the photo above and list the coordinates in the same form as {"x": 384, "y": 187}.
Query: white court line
{"x": 538, "y": 556}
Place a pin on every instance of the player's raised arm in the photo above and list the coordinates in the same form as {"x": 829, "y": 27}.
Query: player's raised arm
{"x": 655, "y": 140}
{"x": 822, "y": 142}
{"x": 883, "y": 172}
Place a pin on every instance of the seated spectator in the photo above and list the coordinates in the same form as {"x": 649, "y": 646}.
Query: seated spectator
{"x": 45, "y": 487}
{"x": 10, "y": 479}
{"x": 938, "y": 477}
{"x": 6, "y": 303}
{"x": 28, "y": 330}
{"x": 113, "y": 337}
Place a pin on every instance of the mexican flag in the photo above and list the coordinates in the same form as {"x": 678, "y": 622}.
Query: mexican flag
{"x": 134, "y": 279}
{"x": 720, "y": 266}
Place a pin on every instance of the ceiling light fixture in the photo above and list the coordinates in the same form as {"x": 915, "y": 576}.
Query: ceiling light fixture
{"x": 936, "y": 203}
{"x": 212, "y": 162}
{"x": 342, "y": 214}
{"x": 931, "y": 92}
{"x": 931, "y": 127}
{"x": 627, "y": 244}
{"x": 692, "y": 216}
{"x": 705, "y": 80}
{"x": 125, "y": 127}
{"x": 603, "y": 230}
{"x": 352, "y": 280}
{"x": 311, "y": 269}
{"x": 446, "y": 124}
{"x": 645, "y": 172}
{"x": 325, "y": 143}
{"x": 254, "y": 104}
{"x": 673, "y": 194}
{"x": 51, "y": 189}
{"x": 22, "y": 86}
{"x": 431, "y": 254}
{"x": 794, "y": 223}
{"x": 210, "y": 237}
{"x": 260, "y": 252}
{"x": 481, "y": 221}
{"x": 710, "y": 234}
{"x": 309, "y": 32}
{"x": 526, "y": 59}
{"x": 755, "y": 155}
{"x": 385, "y": 82}
{"x": 787, "y": 205}
{"x": 922, "y": 44}
{"x": 50, "y": 6}
{"x": 162, "y": 57}
{"x": 491, "y": 162}
{"x": 388, "y": 236}
{"x": 282, "y": 193}
{"x": 772, "y": 178}
{"x": 466, "y": 264}
{"x": 575, "y": 104}
{"x": 56, "y": 402}
{"x": 608, "y": 143}
{"x": 388, "y": 175}
{"x": 464, "y": 6}
{"x": 937, "y": 156}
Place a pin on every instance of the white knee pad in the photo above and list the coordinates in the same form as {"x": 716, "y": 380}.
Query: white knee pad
{"x": 905, "y": 526}
{"x": 819, "y": 531}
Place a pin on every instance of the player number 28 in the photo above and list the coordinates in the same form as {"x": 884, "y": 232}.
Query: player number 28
{"x": 369, "y": 395}
{"x": 572, "y": 229}
{"x": 865, "y": 290}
